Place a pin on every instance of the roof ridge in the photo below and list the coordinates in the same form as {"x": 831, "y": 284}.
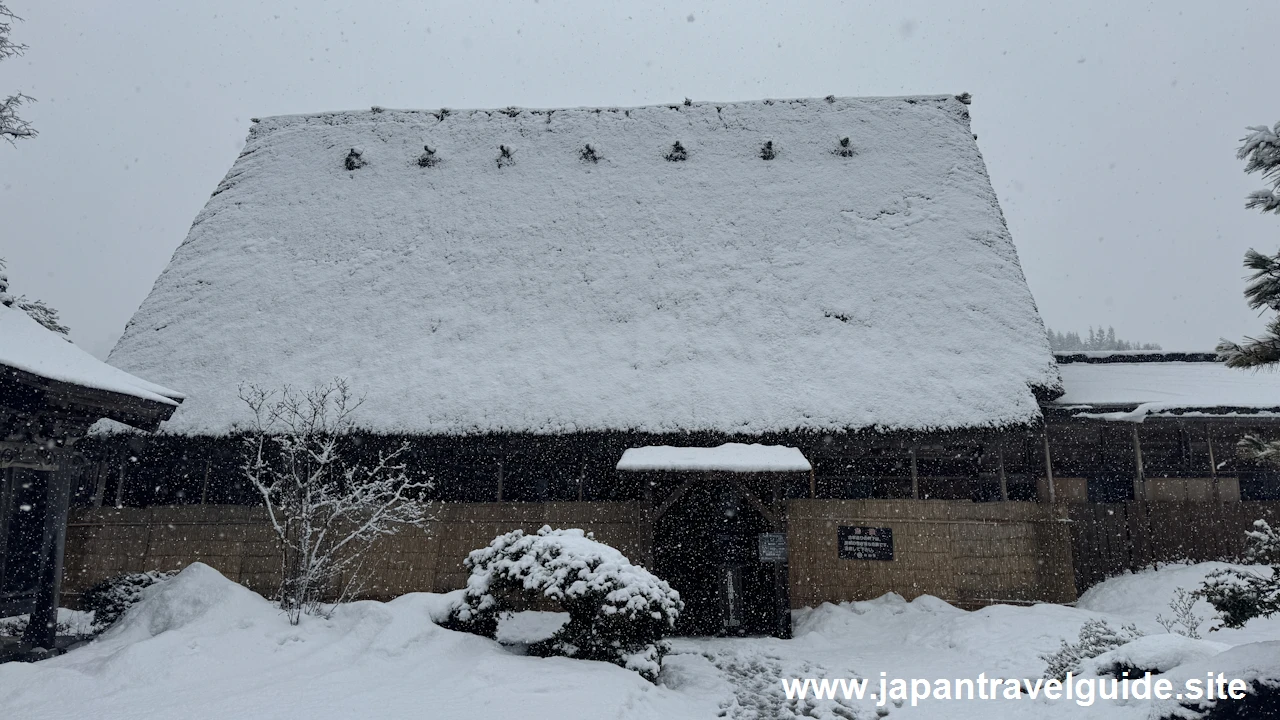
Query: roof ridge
{"x": 686, "y": 102}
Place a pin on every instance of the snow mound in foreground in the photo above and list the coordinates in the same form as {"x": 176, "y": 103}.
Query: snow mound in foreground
{"x": 200, "y": 647}
{"x": 1155, "y": 653}
{"x": 836, "y": 619}
{"x": 197, "y": 592}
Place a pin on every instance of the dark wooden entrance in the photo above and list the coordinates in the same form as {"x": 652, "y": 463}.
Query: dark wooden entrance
{"x": 707, "y": 544}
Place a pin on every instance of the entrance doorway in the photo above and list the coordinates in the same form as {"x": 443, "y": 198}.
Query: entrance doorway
{"x": 706, "y": 545}
{"x": 719, "y": 531}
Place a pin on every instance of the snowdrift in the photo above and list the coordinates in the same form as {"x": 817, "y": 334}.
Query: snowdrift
{"x": 202, "y": 647}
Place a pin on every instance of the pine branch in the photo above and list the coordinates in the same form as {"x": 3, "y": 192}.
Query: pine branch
{"x": 1253, "y": 353}
{"x": 1263, "y": 289}
{"x": 1255, "y": 449}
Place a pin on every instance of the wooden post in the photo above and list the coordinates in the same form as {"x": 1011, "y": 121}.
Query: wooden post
{"x": 1004, "y": 481}
{"x": 6, "y": 501}
{"x": 120, "y": 485}
{"x": 1139, "y": 489}
{"x": 915, "y": 476}
{"x": 42, "y": 629}
{"x": 100, "y": 486}
{"x": 499, "y": 481}
{"x": 813, "y": 485}
{"x": 1213, "y": 464}
{"x": 1048, "y": 468}
{"x": 204, "y": 485}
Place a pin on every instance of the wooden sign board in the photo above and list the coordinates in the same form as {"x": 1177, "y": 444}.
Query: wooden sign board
{"x": 865, "y": 543}
{"x": 773, "y": 547}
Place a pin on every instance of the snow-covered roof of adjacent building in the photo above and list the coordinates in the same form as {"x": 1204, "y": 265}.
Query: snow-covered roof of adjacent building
{"x": 1132, "y": 386}
{"x": 556, "y": 289}
{"x": 27, "y": 346}
{"x": 731, "y": 457}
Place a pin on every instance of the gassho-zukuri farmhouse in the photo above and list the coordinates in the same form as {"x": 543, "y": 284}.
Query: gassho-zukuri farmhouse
{"x": 781, "y": 352}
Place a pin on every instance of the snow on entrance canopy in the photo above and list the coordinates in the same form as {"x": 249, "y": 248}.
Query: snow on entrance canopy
{"x": 28, "y": 346}
{"x": 552, "y": 289}
{"x": 731, "y": 457}
{"x": 1135, "y": 385}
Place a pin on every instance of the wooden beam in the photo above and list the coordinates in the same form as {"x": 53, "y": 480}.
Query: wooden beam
{"x": 499, "y": 481}
{"x": 1004, "y": 481}
{"x": 915, "y": 475}
{"x": 755, "y": 502}
{"x": 672, "y": 499}
{"x": 204, "y": 485}
{"x": 1213, "y": 465}
{"x": 1139, "y": 490}
{"x": 1048, "y": 468}
{"x": 120, "y": 485}
{"x": 100, "y": 486}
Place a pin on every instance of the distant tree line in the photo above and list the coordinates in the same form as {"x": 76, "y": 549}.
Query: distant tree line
{"x": 1098, "y": 339}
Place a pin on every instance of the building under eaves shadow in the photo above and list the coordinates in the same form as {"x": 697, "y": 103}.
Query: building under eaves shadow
{"x": 526, "y": 294}
{"x": 51, "y": 392}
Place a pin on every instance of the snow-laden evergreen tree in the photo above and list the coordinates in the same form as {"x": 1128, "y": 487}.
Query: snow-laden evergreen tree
{"x": 326, "y": 507}
{"x": 12, "y": 126}
{"x": 1242, "y": 595}
{"x": 1260, "y": 150}
{"x": 1096, "y": 637}
{"x": 1099, "y": 339}
{"x": 38, "y": 311}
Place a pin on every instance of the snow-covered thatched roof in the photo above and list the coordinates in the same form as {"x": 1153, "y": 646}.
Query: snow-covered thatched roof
{"x": 1132, "y": 386}
{"x": 555, "y": 289}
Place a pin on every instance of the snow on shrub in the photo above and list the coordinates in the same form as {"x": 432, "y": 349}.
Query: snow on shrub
{"x": 1153, "y": 653}
{"x": 618, "y": 612}
{"x": 109, "y": 599}
{"x": 1096, "y": 637}
{"x": 1242, "y": 595}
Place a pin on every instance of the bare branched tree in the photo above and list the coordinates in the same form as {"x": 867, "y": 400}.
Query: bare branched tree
{"x": 326, "y": 507}
{"x": 12, "y": 126}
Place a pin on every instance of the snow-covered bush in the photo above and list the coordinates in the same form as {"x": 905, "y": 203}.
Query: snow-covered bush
{"x": 109, "y": 599}
{"x": 618, "y": 612}
{"x": 1257, "y": 664}
{"x": 1241, "y": 595}
{"x": 1153, "y": 653}
{"x": 75, "y": 624}
{"x": 1096, "y": 637}
{"x": 677, "y": 153}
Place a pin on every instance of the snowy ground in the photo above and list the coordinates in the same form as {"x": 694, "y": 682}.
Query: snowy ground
{"x": 203, "y": 647}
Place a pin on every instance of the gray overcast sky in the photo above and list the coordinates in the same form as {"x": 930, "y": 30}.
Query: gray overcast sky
{"x": 1110, "y": 132}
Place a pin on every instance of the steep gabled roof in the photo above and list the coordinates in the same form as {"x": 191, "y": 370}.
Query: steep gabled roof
{"x": 872, "y": 285}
